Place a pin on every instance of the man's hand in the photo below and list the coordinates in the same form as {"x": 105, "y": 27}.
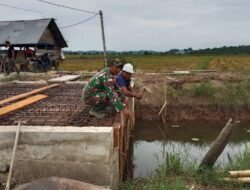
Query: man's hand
{"x": 127, "y": 113}
{"x": 139, "y": 96}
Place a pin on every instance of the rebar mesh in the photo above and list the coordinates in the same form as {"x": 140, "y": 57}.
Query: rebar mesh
{"x": 63, "y": 107}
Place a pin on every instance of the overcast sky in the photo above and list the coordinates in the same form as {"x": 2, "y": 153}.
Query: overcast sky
{"x": 145, "y": 24}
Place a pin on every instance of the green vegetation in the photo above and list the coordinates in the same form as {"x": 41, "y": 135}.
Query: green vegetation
{"x": 225, "y": 50}
{"x": 11, "y": 78}
{"x": 241, "y": 161}
{"x": 235, "y": 95}
{"x": 204, "y": 89}
{"x": 204, "y": 63}
{"x": 179, "y": 172}
{"x": 163, "y": 63}
{"x": 229, "y": 95}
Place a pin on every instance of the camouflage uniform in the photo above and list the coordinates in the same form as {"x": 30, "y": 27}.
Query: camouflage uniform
{"x": 102, "y": 91}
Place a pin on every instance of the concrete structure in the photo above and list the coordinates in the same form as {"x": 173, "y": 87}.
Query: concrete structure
{"x": 92, "y": 154}
{"x": 80, "y": 153}
{"x": 59, "y": 183}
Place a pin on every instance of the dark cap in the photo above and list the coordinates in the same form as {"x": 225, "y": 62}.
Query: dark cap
{"x": 115, "y": 62}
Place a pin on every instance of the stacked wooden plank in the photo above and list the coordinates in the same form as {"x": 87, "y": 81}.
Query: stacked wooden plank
{"x": 31, "y": 97}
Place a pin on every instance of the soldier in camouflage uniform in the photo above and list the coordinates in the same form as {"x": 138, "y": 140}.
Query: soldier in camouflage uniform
{"x": 102, "y": 91}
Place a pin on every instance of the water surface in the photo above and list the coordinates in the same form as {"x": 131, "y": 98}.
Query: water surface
{"x": 152, "y": 141}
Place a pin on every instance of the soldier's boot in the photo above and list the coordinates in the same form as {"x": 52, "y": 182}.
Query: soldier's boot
{"x": 97, "y": 114}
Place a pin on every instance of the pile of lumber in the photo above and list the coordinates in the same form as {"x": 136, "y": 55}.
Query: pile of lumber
{"x": 239, "y": 176}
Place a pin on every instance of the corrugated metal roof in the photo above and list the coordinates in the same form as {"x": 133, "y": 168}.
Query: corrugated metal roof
{"x": 27, "y": 32}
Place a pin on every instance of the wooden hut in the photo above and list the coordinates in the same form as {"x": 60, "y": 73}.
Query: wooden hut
{"x": 42, "y": 35}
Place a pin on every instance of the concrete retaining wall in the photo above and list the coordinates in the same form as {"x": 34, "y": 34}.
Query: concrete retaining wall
{"x": 80, "y": 153}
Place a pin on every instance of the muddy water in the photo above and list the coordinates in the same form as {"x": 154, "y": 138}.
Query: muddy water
{"x": 152, "y": 141}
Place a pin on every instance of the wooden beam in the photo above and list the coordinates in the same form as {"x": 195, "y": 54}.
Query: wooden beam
{"x": 21, "y": 104}
{"x": 23, "y": 95}
{"x": 218, "y": 145}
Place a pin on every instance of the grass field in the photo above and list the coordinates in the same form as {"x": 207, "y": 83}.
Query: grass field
{"x": 180, "y": 172}
{"x": 163, "y": 63}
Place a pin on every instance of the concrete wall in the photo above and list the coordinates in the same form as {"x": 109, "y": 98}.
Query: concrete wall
{"x": 80, "y": 153}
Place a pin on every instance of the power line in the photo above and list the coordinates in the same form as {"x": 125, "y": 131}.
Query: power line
{"x": 72, "y": 8}
{"x": 19, "y": 8}
{"x": 64, "y": 27}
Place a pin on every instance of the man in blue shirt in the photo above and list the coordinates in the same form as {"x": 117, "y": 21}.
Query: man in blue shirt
{"x": 123, "y": 80}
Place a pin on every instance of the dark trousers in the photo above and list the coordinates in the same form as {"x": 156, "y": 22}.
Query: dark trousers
{"x": 11, "y": 65}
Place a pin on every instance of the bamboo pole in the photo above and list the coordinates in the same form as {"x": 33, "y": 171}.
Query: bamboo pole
{"x": 165, "y": 92}
{"x": 238, "y": 174}
{"x": 238, "y": 180}
{"x": 165, "y": 101}
{"x": 162, "y": 108}
{"x": 13, "y": 156}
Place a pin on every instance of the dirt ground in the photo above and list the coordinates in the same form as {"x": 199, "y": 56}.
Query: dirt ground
{"x": 180, "y": 107}
{"x": 185, "y": 107}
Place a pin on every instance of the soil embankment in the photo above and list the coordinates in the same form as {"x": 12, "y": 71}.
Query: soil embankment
{"x": 211, "y": 96}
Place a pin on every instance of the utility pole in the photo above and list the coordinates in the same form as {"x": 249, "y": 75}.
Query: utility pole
{"x": 103, "y": 39}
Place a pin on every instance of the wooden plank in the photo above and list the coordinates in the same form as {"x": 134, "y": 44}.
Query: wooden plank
{"x": 65, "y": 78}
{"x": 23, "y": 95}
{"x": 116, "y": 137}
{"x": 21, "y": 104}
{"x": 116, "y": 134}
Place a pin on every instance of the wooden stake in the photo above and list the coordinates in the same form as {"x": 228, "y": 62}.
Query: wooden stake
{"x": 165, "y": 90}
{"x": 13, "y": 156}
{"x": 164, "y": 105}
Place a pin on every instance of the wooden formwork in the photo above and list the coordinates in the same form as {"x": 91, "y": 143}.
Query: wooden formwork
{"x": 123, "y": 129}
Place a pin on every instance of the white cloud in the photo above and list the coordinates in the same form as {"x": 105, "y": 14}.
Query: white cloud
{"x": 146, "y": 24}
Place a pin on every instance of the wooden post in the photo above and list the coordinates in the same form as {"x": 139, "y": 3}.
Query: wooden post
{"x": 218, "y": 145}
{"x": 165, "y": 92}
{"x": 3, "y": 65}
{"x": 103, "y": 39}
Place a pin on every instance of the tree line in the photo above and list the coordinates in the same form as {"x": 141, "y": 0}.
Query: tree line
{"x": 225, "y": 50}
